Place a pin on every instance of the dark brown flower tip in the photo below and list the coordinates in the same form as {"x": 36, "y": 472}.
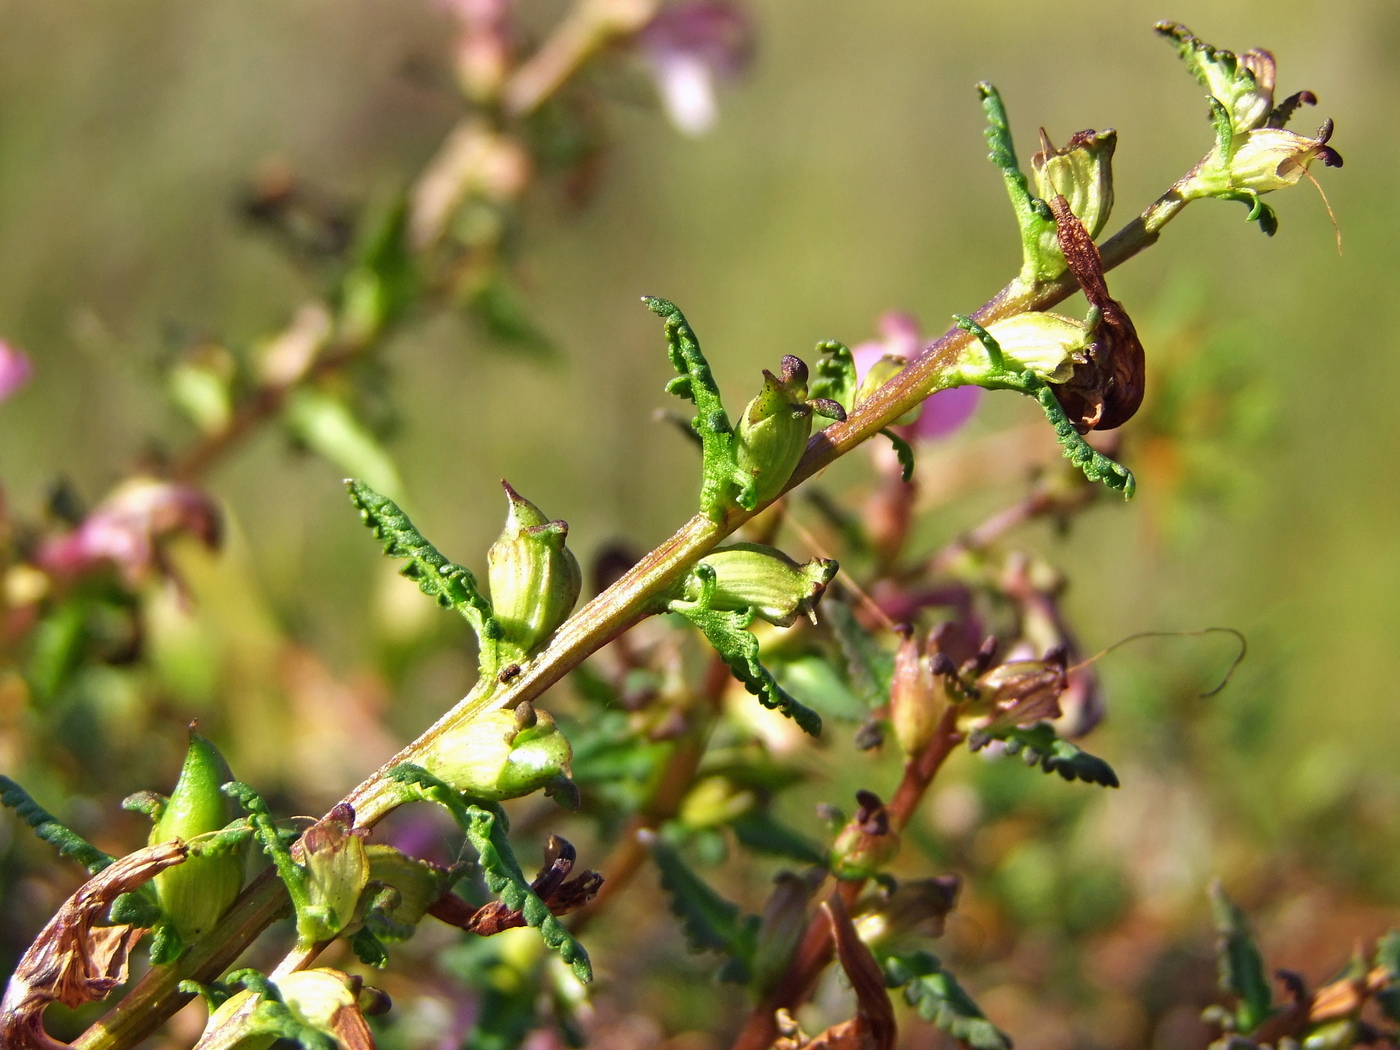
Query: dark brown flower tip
{"x": 560, "y": 893}
{"x": 1107, "y": 387}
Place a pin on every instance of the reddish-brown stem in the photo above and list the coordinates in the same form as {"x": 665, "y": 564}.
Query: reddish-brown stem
{"x": 815, "y": 951}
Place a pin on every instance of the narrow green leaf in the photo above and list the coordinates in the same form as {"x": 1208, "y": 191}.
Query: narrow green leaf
{"x": 728, "y": 633}
{"x": 710, "y": 922}
{"x": 1240, "y": 965}
{"x": 834, "y": 375}
{"x": 486, "y": 831}
{"x": 68, "y": 842}
{"x": 942, "y": 1002}
{"x": 1095, "y": 465}
{"x": 1039, "y": 746}
{"x": 697, "y": 383}
{"x": 453, "y": 586}
{"x": 762, "y": 832}
{"x": 1033, "y": 221}
{"x": 904, "y": 451}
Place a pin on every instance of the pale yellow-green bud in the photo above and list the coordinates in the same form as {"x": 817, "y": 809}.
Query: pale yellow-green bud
{"x": 195, "y": 894}
{"x": 328, "y": 1001}
{"x": 1081, "y": 172}
{"x": 535, "y": 579}
{"x": 916, "y": 698}
{"x": 337, "y": 869}
{"x": 752, "y": 576}
{"x": 502, "y": 754}
{"x": 1044, "y": 343}
{"x": 713, "y": 802}
{"x": 880, "y": 373}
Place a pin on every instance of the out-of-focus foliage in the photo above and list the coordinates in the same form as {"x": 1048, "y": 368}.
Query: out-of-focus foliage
{"x": 845, "y": 177}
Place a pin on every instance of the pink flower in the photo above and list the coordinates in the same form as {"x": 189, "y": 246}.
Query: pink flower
{"x": 15, "y": 369}
{"x": 124, "y": 530}
{"x": 690, "y": 45}
{"x": 943, "y": 412}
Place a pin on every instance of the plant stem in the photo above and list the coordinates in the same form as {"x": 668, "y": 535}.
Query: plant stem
{"x": 632, "y": 598}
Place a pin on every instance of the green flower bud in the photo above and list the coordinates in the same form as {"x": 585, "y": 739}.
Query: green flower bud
{"x": 328, "y": 1001}
{"x": 195, "y": 894}
{"x": 535, "y": 579}
{"x": 1243, "y": 84}
{"x": 1082, "y": 173}
{"x": 337, "y": 870}
{"x": 916, "y": 698}
{"x": 773, "y": 432}
{"x": 419, "y": 882}
{"x": 752, "y": 576}
{"x": 867, "y": 843}
{"x": 503, "y": 754}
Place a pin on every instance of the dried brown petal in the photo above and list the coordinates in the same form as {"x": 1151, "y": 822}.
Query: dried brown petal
{"x": 1107, "y": 387}
{"x": 72, "y": 961}
{"x": 552, "y": 885}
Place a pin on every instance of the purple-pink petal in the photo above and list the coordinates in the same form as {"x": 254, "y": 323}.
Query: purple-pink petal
{"x": 15, "y": 369}
{"x": 943, "y": 412}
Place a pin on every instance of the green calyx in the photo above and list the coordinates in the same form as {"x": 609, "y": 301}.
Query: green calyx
{"x": 337, "y": 871}
{"x": 534, "y": 577}
{"x": 772, "y": 434}
{"x": 752, "y": 576}
{"x": 1081, "y": 172}
{"x": 195, "y": 894}
{"x": 503, "y": 754}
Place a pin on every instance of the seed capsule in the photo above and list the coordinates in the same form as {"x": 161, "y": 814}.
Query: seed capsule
{"x": 535, "y": 579}
{"x": 752, "y": 576}
{"x": 502, "y": 754}
{"x": 195, "y": 894}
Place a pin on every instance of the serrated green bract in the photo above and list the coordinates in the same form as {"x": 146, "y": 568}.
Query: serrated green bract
{"x": 1034, "y": 219}
{"x": 1240, "y": 965}
{"x": 697, "y": 383}
{"x": 486, "y": 831}
{"x": 450, "y": 584}
{"x": 942, "y": 1002}
{"x": 728, "y": 632}
{"x": 1039, "y": 746}
{"x": 710, "y": 922}
{"x": 68, "y": 842}
{"x": 834, "y": 375}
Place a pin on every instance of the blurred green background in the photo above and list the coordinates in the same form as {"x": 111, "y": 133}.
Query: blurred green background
{"x": 847, "y": 176}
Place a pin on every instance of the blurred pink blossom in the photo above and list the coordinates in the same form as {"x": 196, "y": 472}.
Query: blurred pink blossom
{"x": 124, "y": 530}
{"x": 690, "y": 46}
{"x": 15, "y": 369}
{"x": 943, "y": 412}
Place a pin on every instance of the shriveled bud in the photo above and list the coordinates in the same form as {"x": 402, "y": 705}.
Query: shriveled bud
{"x": 1081, "y": 172}
{"x": 535, "y": 579}
{"x": 419, "y": 882}
{"x": 752, "y": 576}
{"x": 867, "y": 843}
{"x": 503, "y": 754}
{"x": 195, "y": 894}
{"x": 337, "y": 869}
{"x": 1020, "y": 692}
{"x": 916, "y": 698}
{"x": 774, "y": 429}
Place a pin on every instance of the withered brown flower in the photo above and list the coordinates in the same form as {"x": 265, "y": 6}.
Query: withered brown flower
{"x": 1108, "y": 382}
{"x": 73, "y": 960}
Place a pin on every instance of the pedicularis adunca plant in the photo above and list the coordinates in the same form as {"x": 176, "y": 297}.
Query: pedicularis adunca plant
{"x": 922, "y": 652}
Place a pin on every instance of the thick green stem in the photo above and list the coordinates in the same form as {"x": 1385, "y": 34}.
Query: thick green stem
{"x": 635, "y": 596}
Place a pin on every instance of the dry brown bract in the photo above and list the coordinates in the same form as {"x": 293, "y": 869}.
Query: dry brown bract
{"x": 73, "y": 961}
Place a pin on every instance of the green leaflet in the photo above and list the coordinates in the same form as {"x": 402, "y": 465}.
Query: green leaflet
{"x": 486, "y": 831}
{"x": 697, "y": 383}
{"x": 68, "y": 842}
{"x": 1039, "y": 746}
{"x": 904, "y": 451}
{"x": 728, "y": 633}
{"x": 1032, "y": 214}
{"x": 453, "y": 586}
{"x": 1388, "y": 956}
{"x": 942, "y": 1002}
{"x": 869, "y": 669}
{"x": 834, "y": 375}
{"x": 1095, "y": 465}
{"x": 762, "y": 832}
{"x": 710, "y": 922}
{"x": 329, "y": 427}
{"x": 1240, "y": 965}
